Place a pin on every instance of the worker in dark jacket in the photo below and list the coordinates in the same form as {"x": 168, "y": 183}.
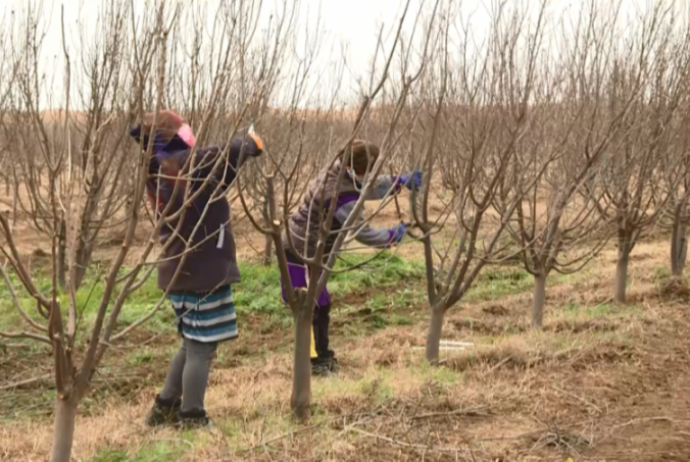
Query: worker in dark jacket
{"x": 198, "y": 264}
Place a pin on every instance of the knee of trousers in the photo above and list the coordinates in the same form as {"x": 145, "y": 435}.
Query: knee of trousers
{"x": 322, "y": 311}
{"x": 200, "y": 350}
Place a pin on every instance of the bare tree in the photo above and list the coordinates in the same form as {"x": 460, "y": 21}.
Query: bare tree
{"x": 650, "y": 79}
{"x": 78, "y": 142}
{"x": 676, "y": 176}
{"x": 64, "y": 209}
{"x": 480, "y": 113}
{"x": 320, "y": 261}
{"x": 292, "y": 129}
{"x": 675, "y": 165}
{"x": 72, "y": 173}
{"x": 557, "y": 225}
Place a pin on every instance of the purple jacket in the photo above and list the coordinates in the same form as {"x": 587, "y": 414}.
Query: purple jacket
{"x": 211, "y": 262}
{"x": 306, "y": 222}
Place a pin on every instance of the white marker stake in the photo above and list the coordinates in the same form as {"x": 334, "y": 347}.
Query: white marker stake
{"x": 444, "y": 348}
{"x": 221, "y": 237}
{"x": 450, "y": 342}
{"x": 450, "y": 345}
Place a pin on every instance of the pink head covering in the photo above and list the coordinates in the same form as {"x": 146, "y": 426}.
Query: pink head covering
{"x": 185, "y": 133}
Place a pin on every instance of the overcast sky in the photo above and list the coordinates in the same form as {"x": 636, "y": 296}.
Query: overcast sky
{"x": 351, "y": 22}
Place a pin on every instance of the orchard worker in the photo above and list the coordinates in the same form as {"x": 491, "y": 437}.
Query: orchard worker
{"x": 200, "y": 291}
{"x": 304, "y": 228}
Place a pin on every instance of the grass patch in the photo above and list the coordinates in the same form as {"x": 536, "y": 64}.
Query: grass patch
{"x": 662, "y": 273}
{"x": 603, "y": 310}
{"x": 401, "y": 300}
{"x": 141, "y": 356}
{"x": 160, "y": 451}
{"x": 111, "y": 455}
{"x": 495, "y": 282}
{"x": 377, "y": 390}
{"x": 398, "y": 320}
{"x": 385, "y": 270}
{"x": 441, "y": 374}
{"x": 258, "y": 293}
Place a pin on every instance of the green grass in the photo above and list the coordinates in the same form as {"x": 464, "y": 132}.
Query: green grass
{"x": 398, "y": 299}
{"x": 495, "y": 282}
{"x": 398, "y": 320}
{"x": 110, "y": 455}
{"x": 383, "y": 271}
{"x": 602, "y": 310}
{"x": 258, "y": 293}
{"x": 158, "y": 451}
{"x": 662, "y": 273}
{"x": 141, "y": 356}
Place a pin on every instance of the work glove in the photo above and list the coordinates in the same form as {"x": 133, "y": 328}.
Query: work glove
{"x": 412, "y": 180}
{"x": 398, "y": 232}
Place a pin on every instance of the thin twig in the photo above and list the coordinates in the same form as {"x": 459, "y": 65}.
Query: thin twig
{"x": 289, "y": 434}
{"x": 422, "y": 447}
{"x": 25, "y": 382}
{"x": 471, "y": 412}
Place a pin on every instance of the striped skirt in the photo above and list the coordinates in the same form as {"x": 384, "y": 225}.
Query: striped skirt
{"x": 207, "y": 317}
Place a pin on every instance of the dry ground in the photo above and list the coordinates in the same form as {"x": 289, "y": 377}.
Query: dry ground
{"x": 601, "y": 382}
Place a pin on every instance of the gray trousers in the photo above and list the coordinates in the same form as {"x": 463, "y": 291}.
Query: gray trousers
{"x": 188, "y": 375}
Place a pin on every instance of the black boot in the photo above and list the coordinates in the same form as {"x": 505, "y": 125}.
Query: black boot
{"x": 324, "y": 365}
{"x": 196, "y": 418}
{"x": 163, "y": 412}
{"x": 320, "y": 367}
{"x": 332, "y": 361}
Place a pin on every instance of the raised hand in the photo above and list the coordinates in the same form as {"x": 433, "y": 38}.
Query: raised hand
{"x": 412, "y": 180}
{"x": 399, "y": 231}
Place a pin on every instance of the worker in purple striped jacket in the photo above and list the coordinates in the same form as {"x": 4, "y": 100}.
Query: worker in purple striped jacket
{"x": 305, "y": 223}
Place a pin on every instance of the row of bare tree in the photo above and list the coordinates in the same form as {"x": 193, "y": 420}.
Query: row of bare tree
{"x": 541, "y": 137}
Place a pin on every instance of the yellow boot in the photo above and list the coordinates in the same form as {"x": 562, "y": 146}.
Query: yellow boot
{"x": 312, "y": 348}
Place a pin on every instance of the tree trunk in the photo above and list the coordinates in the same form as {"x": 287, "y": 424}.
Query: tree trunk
{"x": 679, "y": 246}
{"x": 83, "y": 259}
{"x": 433, "y": 339}
{"x": 622, "y": 270}
{"x": 538, "y": 301}
{"x": 15, "y": 203}
{"x": 63, "y": 432}
{"x": 268, "y": 243}
{"x": 268, "y": 250}
{"x": 683, "y": 253}
{"x": 62, "y": 256}
{"x": 301, "y": 375}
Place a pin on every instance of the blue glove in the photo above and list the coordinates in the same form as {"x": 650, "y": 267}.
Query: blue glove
{"x": 399, "y": 231}
{"x": 412, "y": 180}
{"x": 159, "y": 142}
